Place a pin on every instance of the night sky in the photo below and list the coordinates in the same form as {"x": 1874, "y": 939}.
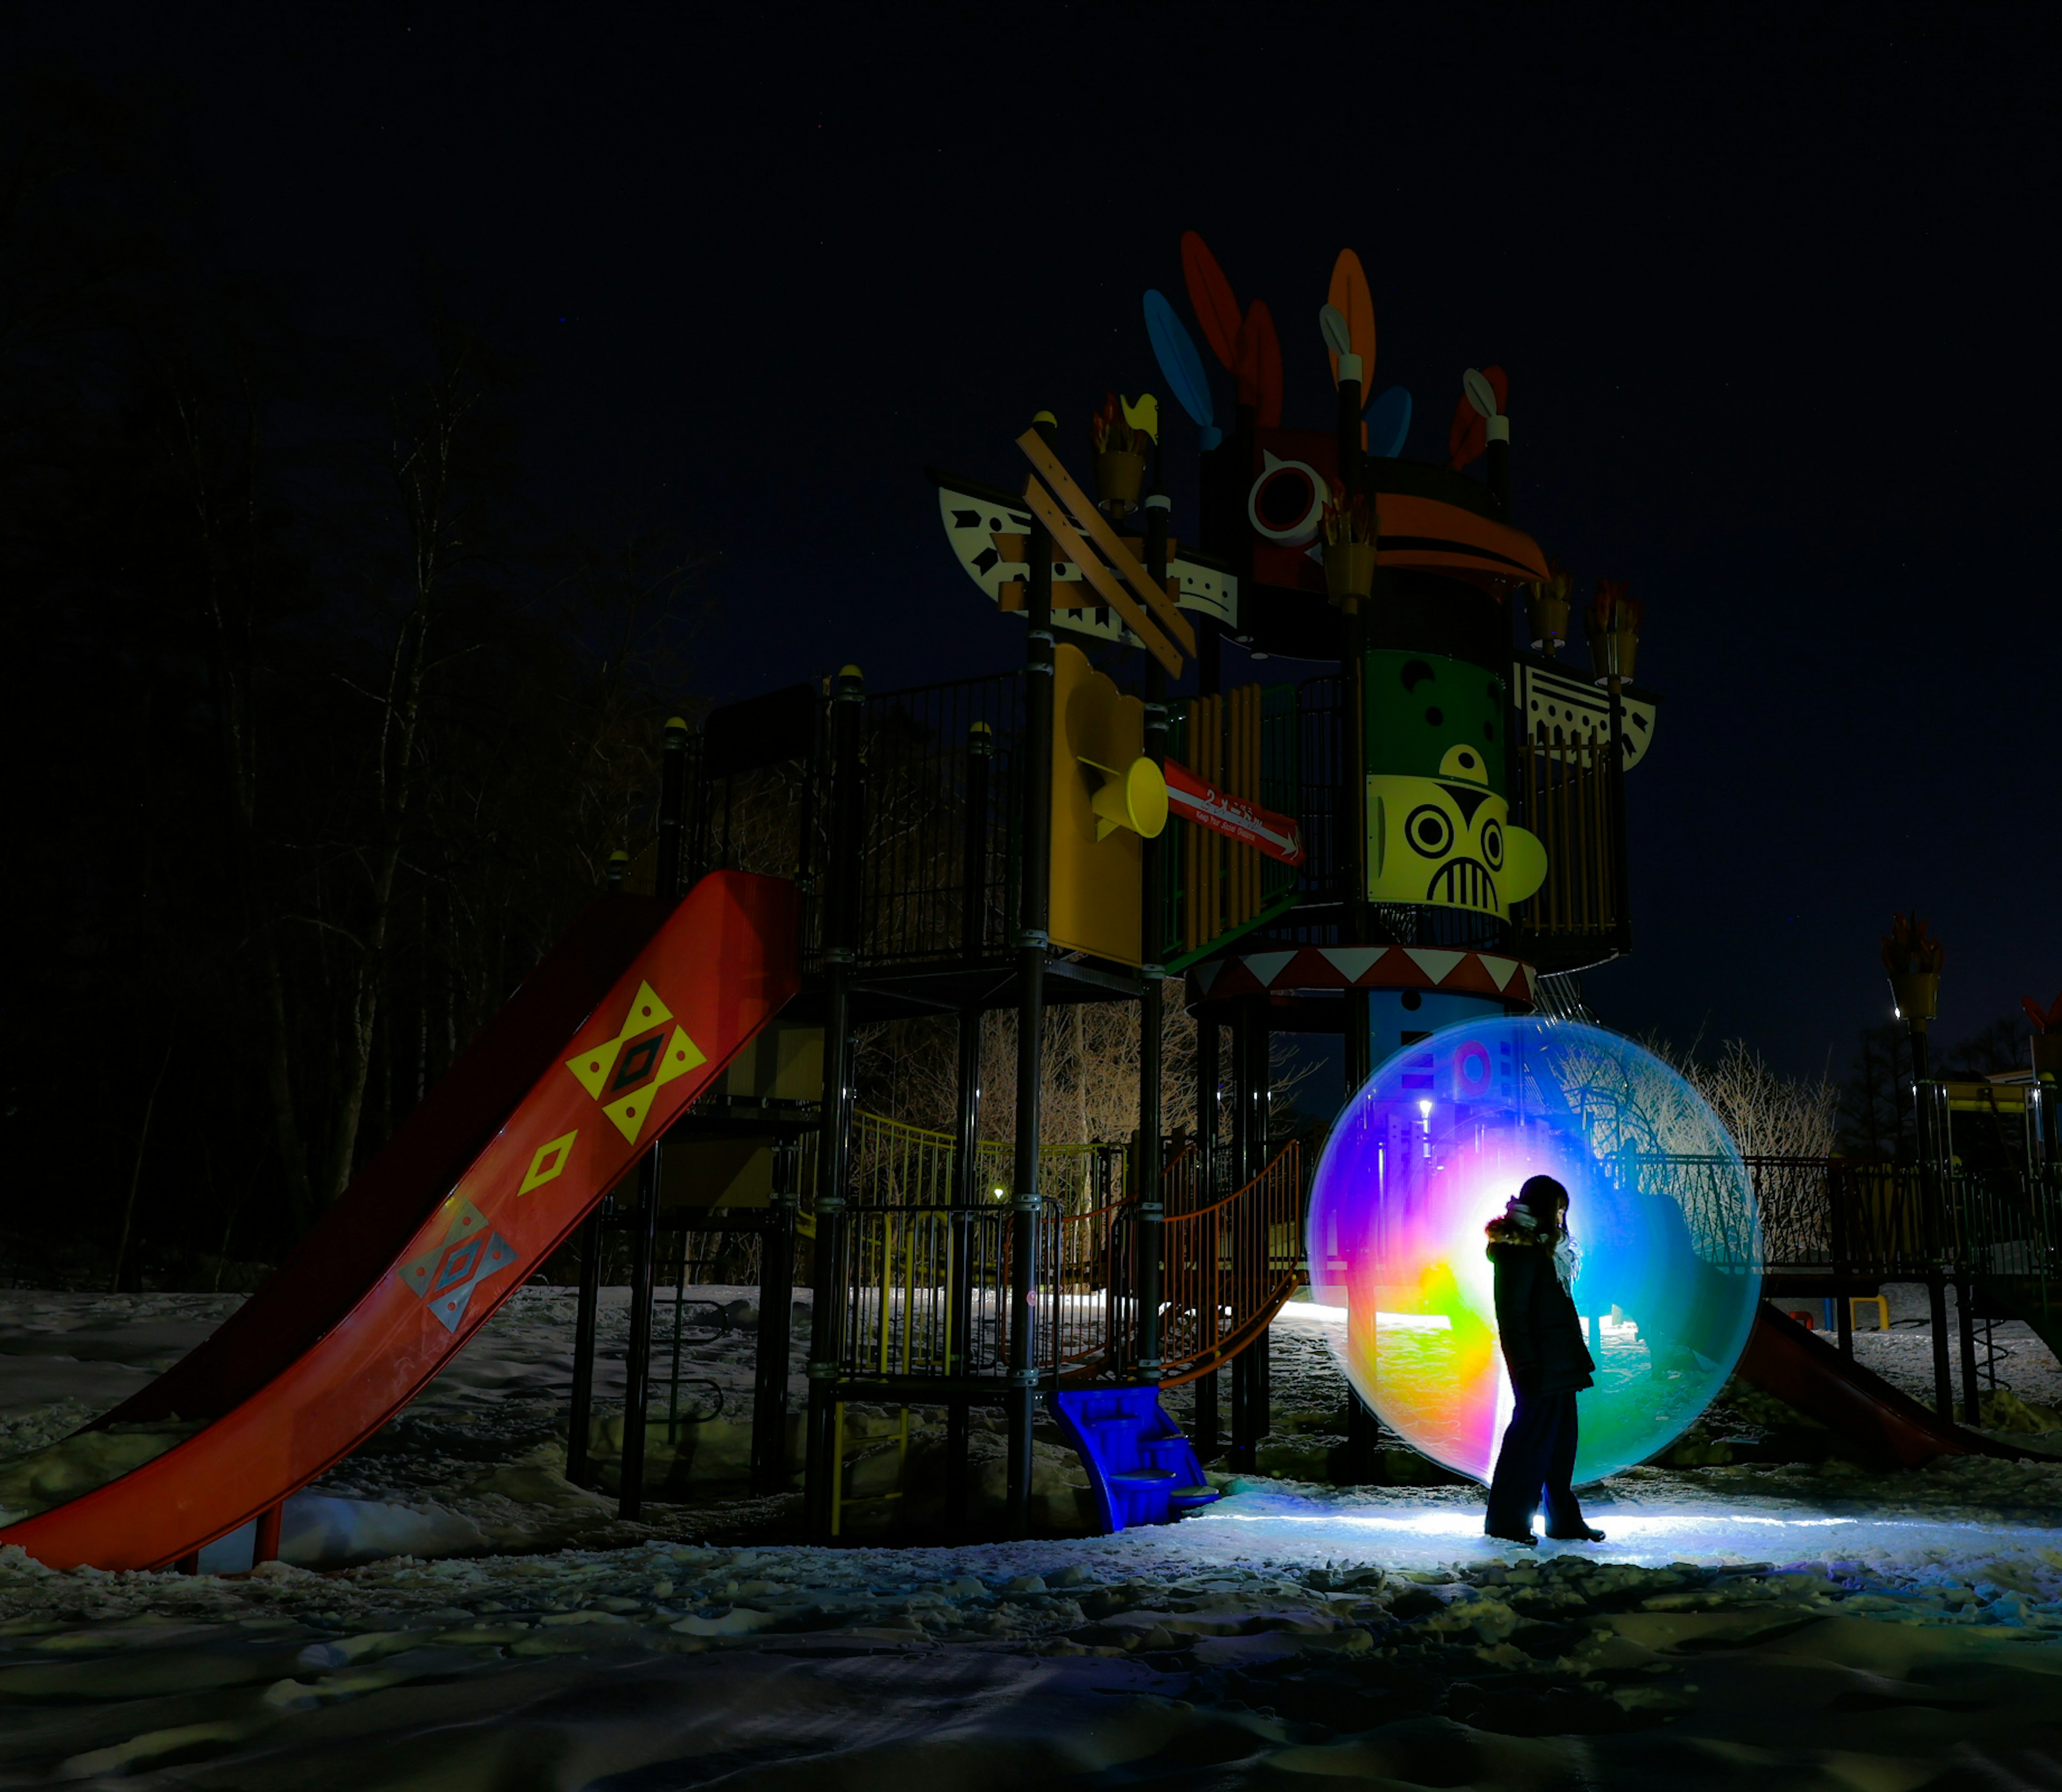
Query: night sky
{"x": 1776, "y": 294}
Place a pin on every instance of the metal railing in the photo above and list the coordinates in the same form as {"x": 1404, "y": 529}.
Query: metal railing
{"x": 1567, "y": 792}
{"x": 1227, "y": 1267}
{"x": 1880, "y": 1218}
{"x": 928, "y": 1287}
{"x": 940, "y": 767}
{"x": 1795, "y": 1197}
{"x": 928, "y": 1292}
{"x": 940, "y": 845}
{"x": 1322, "y": 809}
{"x": 896, "y": 1164}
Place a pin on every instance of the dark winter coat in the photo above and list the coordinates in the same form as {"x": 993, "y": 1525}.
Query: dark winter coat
{"x": 1536, "y": 1320}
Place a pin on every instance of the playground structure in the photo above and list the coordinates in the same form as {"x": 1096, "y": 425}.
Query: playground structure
{"x": 1426, "y": 827}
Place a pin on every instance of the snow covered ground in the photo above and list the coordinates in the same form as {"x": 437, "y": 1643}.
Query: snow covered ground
{"x": 1834, "y": 1627}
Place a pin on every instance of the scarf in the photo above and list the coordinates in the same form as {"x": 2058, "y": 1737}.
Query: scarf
{"x": 1567, "y": 1259}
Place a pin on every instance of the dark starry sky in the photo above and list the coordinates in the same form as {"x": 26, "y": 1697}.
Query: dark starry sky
{"x": 1775, "y": 289}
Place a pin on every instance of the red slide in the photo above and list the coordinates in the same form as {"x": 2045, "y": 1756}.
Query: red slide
{"x": 628, "y": 1018}
{"x": 1885, "y": 1423}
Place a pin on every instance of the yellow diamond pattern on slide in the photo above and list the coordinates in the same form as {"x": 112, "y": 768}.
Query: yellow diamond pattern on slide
{"x": 624, "y": 1073}
{"x": 550, "y": 1159}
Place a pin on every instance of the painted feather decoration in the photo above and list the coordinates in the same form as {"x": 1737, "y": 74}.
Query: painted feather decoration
{"x": 1388, "y": 423}
{"x": 1467, "y": 437}
{"x": 2045, "y": 1019}
{"x": 1349, "y": 296}
{"x": 1175, "y": 350}
{"x": 1210, "y": 293}
{"x": 1259, "y": 366}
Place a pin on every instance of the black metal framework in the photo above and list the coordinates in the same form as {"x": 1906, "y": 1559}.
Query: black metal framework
{"x": 943, "y": 765}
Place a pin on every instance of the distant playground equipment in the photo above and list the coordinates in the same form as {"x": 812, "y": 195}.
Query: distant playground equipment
{"x": 1420, "y": 837}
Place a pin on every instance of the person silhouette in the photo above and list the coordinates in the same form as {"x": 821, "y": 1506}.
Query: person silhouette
{"x": 1542, "y": 1339}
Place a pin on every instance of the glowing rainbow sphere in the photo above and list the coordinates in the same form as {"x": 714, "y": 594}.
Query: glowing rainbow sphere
{"x": 1660, "y": 1208}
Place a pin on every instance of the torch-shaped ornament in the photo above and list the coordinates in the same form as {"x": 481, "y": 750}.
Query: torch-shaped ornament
{"x": 1120, "y": 431}
{"x": 1614, "y": 630}
{"x": 1546, "y": 606}
{"x": 2047, "y": 1036}
{"x": 1348, "y": 523}
{"x": 1914, "y": 962}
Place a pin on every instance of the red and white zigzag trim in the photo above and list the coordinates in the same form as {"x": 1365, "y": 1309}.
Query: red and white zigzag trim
{"x": 1460, "y": 973}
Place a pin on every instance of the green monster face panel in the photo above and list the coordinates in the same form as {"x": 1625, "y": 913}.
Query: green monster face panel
{"x": 1447, "y": 842}
{"x": 1421, "y": 707}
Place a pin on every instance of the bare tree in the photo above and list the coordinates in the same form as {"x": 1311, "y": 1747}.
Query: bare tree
{"x": 1768, "y": 1115}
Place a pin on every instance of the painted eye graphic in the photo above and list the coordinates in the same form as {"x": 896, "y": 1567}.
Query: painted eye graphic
{"x": 1429, "y": 832}
{"x": 1492, "y": 845}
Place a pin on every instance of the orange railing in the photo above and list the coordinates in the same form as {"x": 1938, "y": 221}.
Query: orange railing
{"x": 1227, "y": 1265}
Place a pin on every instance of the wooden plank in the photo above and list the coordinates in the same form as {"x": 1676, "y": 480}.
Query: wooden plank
{"x": 1047, "y": 510}
{"x": 1077, "y": 597}
{"x": 1097, "y": 527}
{"x": 1014, "y": 596}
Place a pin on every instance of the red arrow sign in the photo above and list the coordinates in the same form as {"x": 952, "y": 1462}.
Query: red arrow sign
{"x": 1189, "y": 798}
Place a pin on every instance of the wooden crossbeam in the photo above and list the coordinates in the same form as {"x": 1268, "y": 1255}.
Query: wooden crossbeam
{"x": 1066, "y": 596}
{"x": 1049, "y": 467}
{"x": 1065, "y": 537}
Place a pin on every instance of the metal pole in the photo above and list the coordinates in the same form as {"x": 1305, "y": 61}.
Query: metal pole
{"x": 579, "y": 1413}
{"x": 1934, "y": 1233}
{"x": 966, "y": 1196}
{"x": 833, "y": 1155}
{"x": 773, "y": 1348}
{"x": 966, "y": 1191}
{"x": 770, "y": 1349}
{"x": 1621, "y": 851}
{"x": 1032, "y": 941}
{"x": 1353, "y": 667}
{"x": 973, "y": 841}
{"x": 579, "y": 1408}
{"x": 1965, "y": 1318}
{"x": 644, "y": 1238}
{"x": 1358, "y": 1051}
{"x": 1209, "y": 1049}
{"x": 1259, "y": 1078}
{"x": 673, "y": 809}
{"x": 637, "y": 1353}
{"x": 1248, "y": 1421}
{"x": 1151, "y": 1207}
{"x": 1836, "y": 1191}
{"x": 1352, "y": 817}
{"x": 1943, "y": 1386}
{"x": 1499, "y": 464}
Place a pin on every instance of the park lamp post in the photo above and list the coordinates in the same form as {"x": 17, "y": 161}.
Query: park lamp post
{"x": 2046, "y": 1048}
{"x": 1913, "y": 962}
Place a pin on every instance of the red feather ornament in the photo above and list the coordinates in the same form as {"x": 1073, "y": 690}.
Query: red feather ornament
{"x": 1210, "y": 293}
{"x": 1259, "y": 366}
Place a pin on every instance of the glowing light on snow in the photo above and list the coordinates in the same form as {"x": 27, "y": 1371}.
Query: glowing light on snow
{"x": 1441, "y": 1136}
{"x": 1455, "y": 1522}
